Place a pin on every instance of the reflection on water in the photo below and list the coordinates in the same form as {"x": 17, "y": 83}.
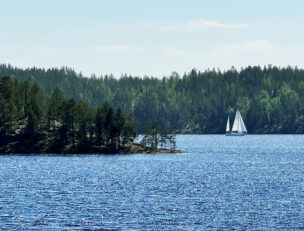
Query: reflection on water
{"x": 250, "y": 182}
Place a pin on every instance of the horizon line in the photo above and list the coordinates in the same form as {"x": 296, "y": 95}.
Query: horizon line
{"x": 93, "y": 75}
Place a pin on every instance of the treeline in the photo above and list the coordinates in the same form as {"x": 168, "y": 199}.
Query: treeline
{"x": 33, "y": 123}
{"x": 269, "y": 98}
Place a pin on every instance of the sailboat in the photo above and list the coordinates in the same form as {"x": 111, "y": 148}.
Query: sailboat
{"x": 238, "y": 128}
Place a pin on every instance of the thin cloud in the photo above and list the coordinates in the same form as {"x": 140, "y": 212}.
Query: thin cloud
{"x": 157, "y": 26}
{"x": 232, "y": 50}
{"x": 50, "y": 50}
{"x": 247, "y": 47}
{"x": 98, "y": 48}
{"x": 117, "y": 48}
{"x": 192, "y": 25}
{"x": 207, "y": 24}
{"x": 174, "y": 51}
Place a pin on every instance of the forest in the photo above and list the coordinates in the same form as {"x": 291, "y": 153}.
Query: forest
{"x": 33, "y": 123}
{"x": 269, "y": 98}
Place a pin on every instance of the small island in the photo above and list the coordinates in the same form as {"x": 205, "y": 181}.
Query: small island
{"x": 135, "y": 148}
{"x": 31, "y": 123}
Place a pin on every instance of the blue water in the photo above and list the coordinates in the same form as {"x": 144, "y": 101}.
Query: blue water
{"x": 222, "y": 183}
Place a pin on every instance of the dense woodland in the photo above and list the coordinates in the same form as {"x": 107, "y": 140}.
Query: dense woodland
{"x": 33, "y": 123}
{"x": 269, "y": 98}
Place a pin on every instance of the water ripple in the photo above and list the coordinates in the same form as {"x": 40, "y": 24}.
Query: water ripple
{"x": 223, "y": 183}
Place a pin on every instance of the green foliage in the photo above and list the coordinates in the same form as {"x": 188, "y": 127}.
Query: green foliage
{"x": 155, "y": 136}
{"x": 243, "y": 103}
{"x": 32, "y": 123}
{"x": 269, "y": 98}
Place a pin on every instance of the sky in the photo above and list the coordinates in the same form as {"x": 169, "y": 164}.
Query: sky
{"x": 154, "y": 38}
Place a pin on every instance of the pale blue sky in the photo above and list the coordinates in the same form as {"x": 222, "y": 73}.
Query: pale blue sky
{"x": 141, "y": 37}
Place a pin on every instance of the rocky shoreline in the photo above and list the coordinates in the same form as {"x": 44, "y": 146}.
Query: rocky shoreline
{"x": 140, "y": 149}
{"x": 131, "y": 148}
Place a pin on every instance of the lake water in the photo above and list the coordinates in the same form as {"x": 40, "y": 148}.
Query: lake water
{"x": 222, "y": 183}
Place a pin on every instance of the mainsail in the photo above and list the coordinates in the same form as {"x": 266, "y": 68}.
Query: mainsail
{"x": 228, "y": 126}
{"x": 238, "y": 124}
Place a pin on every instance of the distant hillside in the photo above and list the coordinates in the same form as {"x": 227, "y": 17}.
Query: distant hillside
{"x": 270, "y": 98}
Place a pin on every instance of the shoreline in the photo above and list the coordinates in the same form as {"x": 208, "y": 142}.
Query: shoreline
{"x": 135, "y": 148}
{"x": 132, "y": 148}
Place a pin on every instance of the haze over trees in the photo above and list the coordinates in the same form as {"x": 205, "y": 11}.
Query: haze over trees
{"x": 269, "y": 98}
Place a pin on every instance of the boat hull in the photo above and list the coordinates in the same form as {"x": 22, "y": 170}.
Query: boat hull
{"x": 235, "y": 134}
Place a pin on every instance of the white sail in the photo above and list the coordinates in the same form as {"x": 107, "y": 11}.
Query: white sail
{"x": 238, "y": 124}
{"x": 243, "y": 127}
{"x": 228, "y": 125}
